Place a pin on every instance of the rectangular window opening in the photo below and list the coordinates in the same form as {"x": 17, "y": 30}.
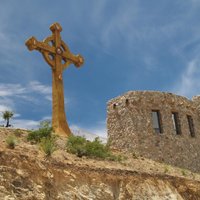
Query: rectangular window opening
{"x": 191, "y": 125}
{"x": 156, "y": 117}
{"x": 176, "y": 123}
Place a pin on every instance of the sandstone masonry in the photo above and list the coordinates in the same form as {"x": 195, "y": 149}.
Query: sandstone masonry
{"x": 161, "y": 126}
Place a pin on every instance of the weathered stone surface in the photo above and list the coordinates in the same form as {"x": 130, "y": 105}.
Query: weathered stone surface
{"x": 130, "y": 128}
{"x": 27, "y": 174}
{"x": 58, "y": 181}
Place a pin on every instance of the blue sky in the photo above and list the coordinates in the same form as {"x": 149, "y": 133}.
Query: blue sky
{"x": 127, "y": 45}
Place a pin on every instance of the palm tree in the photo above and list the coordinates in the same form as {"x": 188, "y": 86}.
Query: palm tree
{"x": 6, "y": 116}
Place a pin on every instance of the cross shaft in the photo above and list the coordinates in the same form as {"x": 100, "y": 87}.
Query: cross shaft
{"x": 57, "y": 54}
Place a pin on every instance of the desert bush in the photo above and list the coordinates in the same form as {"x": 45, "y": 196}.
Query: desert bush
{"x": 11, "y": 141}
{"x": 48, "y": 145}
{"x": 81, "y": 147}
{"x": 44, "y": 131}
{"x": 76, "y": 145}
{"x": 17, "y": 132}
{"x": 97, "y": 149}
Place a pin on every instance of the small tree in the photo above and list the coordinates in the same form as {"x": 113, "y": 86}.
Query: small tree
{"x": 7, "y": 115}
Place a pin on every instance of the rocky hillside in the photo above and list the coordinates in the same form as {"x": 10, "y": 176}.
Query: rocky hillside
{"x": 27, "y": 174}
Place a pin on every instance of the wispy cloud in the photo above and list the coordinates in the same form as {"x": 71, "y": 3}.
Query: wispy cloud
{"x": 36, "y": 86}
{"x": 188, "y": 84}
{"x": 12, "y": 94}
{"x": 25, "y": 124}
{"x": 3, "y": 108}
{"x": 7, "y": 90}
{"x": 39, "y": 88}
{"x": 98, "y": 130}
{"x": 19, "y": 90}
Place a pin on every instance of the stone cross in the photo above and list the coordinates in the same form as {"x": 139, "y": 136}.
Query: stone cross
{"x": 57, "y": 54}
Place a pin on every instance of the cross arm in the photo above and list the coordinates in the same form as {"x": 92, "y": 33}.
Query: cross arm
{"x": 33, "y": 44}
{"x": 77, "y": 60}
{"x": 63, "y": 51}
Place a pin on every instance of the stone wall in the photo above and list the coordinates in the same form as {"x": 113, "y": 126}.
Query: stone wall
{"x": 130, "y": 127}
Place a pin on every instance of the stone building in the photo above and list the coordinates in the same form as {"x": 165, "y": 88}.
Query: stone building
{"x": 161, "y": 126}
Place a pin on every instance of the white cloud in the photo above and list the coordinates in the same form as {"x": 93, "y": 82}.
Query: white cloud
{"x": 3, "y": 108}
{"x": 25, "y": 124}
{"x": 16, "y": 115}
{"x": 46, "y": 118}
{"x": 119, "y": 25}
{"x": 188, "y": 84}
{"x": 48, "y": 97}
{"x": 89, "y": 134}
{"x": 25, "y": 92}
{"x": 11, "y": 94}
{"x": 11, "y": 89}
{"x": 98, "y": 130}
{"x": 36, "y": 86}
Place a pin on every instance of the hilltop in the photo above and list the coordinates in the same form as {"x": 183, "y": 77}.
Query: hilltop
{"x": 26, "y": 174}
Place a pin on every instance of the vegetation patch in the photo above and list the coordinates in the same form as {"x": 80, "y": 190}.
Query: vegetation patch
{"x": 81, "y": 147}
{"x": 44, "y": 131}
{"x": 43, "y": 136}
{"x": 18, "y": 132}
{"x": 48, "y": 145}
{"x": 11, "y": 141}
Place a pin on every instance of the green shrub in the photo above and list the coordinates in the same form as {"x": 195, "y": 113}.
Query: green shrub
{"x": 48, "y": 145}
{"x": 44, "y": 131}
{"x": 11, "y": 141}
{"x": 96, "y": 149}
{"x": 76, "y": 145}
{"x": 18, "y": 132}
{"x": 81, "y": 147}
